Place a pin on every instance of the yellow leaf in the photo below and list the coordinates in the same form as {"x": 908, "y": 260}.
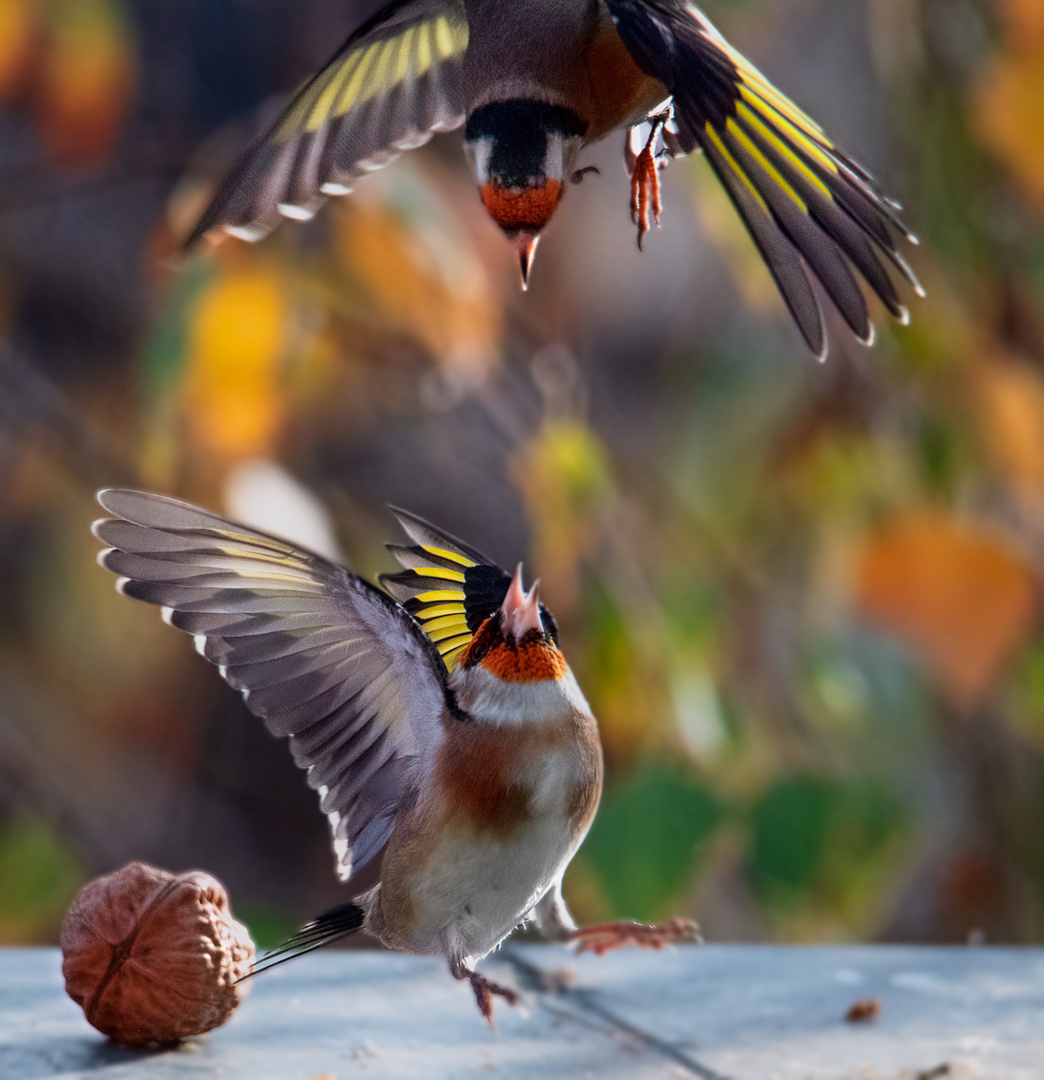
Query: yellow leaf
{"x": 237, "y": 337}
{"x": 18, "y": 31}
{"x": 956, "y": 592}
{"x": 563, "y": 476}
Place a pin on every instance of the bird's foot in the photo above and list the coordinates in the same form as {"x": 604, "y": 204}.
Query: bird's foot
{"x": 645, "y": 181}
{"x": 608, "y": 936}
{"x": 579, "y": 175}
{"x": 485, "y": 989}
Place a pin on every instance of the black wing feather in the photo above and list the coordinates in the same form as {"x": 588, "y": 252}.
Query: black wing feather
{"x": 324, "y": 658}
{"x": 395, "y": 81}
{"x": 804, "y": 202}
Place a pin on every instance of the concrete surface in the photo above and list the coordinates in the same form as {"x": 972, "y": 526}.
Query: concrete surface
{"x": 715, "y": 1012}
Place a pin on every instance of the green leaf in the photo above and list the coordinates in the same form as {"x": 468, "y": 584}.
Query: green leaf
{"x": 39, "y": 876}
{"x": 810, "y": 835}
{"x": 647, "y": 841}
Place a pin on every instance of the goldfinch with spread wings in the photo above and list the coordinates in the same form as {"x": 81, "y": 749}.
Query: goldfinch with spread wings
{"x": 438, "y": 718}
{"x": 535, "y": 81}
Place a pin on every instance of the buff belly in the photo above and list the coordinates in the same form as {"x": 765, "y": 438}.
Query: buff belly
{"x": 457, "y": 887}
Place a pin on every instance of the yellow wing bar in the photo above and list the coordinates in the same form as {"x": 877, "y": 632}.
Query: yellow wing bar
{"x": 373, "y": 70}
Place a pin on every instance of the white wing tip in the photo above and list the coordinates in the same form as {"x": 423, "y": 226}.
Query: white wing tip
{"x": 167, "y": 615}
{"x": 335, "y": 189}
{"x": 250, "y": 233}
{"x": 297, "y": 213}
{"x": 122, "y": 583}
{"x": 341, "y": 852}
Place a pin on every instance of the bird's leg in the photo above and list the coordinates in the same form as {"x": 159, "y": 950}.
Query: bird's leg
{"x": 645, "y": 179}
{"x": 552, "y": 916}
{"x": 484, "y": 988}
{"x": 607, "y": 936}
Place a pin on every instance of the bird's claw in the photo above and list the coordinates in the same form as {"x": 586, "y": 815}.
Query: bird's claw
{"x": 608, "y": 936}
{"x": 645, "y": 182}
{"x": 485, "y": 989}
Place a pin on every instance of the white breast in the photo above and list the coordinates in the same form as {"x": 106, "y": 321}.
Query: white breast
{"x": 492, "y": 701}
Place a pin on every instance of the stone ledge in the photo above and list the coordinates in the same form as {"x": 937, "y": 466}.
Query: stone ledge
{"x": 715, "y": 1012}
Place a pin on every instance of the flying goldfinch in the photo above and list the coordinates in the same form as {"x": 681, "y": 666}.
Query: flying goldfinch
{"x": 535, "y": 81}
{"x": 439, "y": 718}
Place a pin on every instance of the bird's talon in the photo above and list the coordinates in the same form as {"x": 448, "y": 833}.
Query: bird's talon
{"x": 645, "y": 184}
{"x": 485, "y": 989}
{"x": 608, "y": 936}
{"x": 578, "y": 176}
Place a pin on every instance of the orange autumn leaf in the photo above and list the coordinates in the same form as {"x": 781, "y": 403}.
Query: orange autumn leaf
{"x": 18, "y": 29}
{"x": 238, "y": 335}
{"x": 1008, "y": 114}
{"x": 428, "y": 287}
{"x": 86, "y": 79}
{"x": 956, "y": 592}
{"x": 1024, "y": 23}
{"x": 1010, "y": 404}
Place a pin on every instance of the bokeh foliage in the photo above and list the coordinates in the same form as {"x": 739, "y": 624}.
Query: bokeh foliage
{"x": 804, "y": 601}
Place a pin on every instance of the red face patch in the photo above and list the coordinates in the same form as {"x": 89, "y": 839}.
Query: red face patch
{"x": 533, "y": 659}
{"x": 528, "y": 661}
{"x": 526, "y": 209}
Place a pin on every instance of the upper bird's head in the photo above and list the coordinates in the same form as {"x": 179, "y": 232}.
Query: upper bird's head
{"x": 523, "y": 153}
{"x": 513, "y": 643}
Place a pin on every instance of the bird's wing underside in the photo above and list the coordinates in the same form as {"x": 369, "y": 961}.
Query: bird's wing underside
{"x": 396, "y": 81}
{"x": 804, "y": 202}
{"x": 450, "y": 588}
{"x": 321, "y": 656}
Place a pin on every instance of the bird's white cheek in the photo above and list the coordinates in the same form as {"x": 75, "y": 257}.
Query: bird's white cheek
{"x": 479, "y": 152}
{"x": 561, "y": 156}
{"x": 554, "y": 160}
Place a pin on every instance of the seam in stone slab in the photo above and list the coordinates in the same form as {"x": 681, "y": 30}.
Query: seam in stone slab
{"x": 534, "y": 978}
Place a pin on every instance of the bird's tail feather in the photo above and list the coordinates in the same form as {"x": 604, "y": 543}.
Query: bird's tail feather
{"x": 335, "y": 924}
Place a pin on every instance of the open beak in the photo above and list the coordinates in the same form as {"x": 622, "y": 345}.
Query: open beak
{"x": 520, "y": 611}
{"x": 526, "y": 245}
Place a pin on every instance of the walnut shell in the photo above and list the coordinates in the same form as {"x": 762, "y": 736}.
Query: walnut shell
{"x": 153, "y": 957}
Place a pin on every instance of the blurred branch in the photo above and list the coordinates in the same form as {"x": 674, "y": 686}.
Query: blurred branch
{"x": 40, "y": 184}
{"x": 33, "y": 406}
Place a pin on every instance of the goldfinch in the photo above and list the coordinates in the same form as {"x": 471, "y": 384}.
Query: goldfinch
{"x": 535, "y": 81}
{"x": 438, "y": 719}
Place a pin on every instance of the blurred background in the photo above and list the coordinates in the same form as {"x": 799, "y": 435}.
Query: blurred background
{"x": 804, "y": 600}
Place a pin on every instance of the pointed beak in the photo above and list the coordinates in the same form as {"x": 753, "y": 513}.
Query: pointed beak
{"x": 520, "y": 611}
{"x": 526, "y": 245}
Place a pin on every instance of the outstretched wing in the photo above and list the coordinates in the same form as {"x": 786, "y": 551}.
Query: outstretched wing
{"x": 321, "y": 656}
{"x": 450, "y": 588}
{"x": 395, "y": 82}
{"x": 801, "y": 198}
